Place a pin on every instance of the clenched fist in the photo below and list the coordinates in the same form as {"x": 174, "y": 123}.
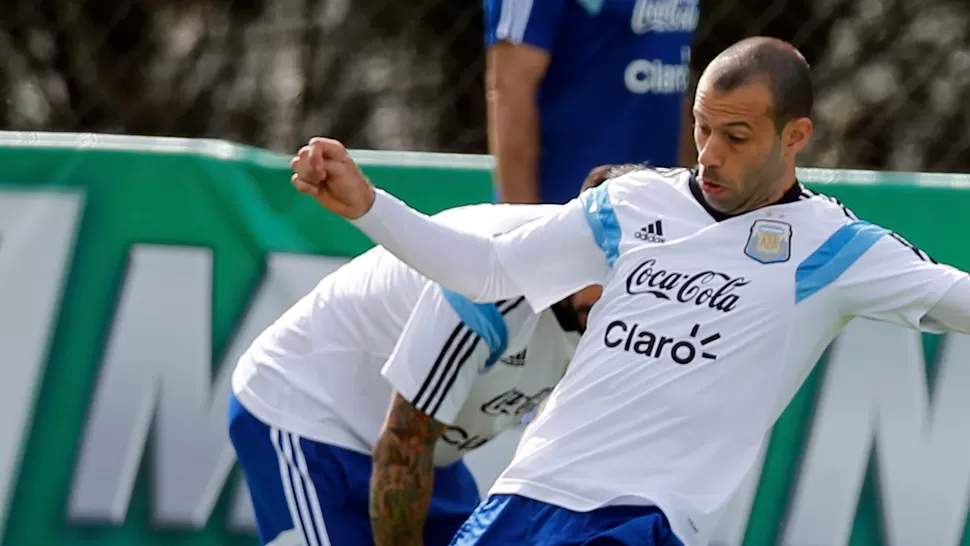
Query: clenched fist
{"x": 323, "y": 170}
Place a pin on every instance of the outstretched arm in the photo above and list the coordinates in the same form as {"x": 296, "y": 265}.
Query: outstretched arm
{"x": 460, "y": 260}
{"x": 403, "y": 475}
{"x": 544, "y": 260}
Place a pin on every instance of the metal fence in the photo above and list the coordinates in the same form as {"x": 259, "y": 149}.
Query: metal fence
{"x": 408, "y": 74}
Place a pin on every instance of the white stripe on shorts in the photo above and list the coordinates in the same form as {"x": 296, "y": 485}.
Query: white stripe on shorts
{"x": 301, "y": 494}
{"x": 311, "y": 490}
{"x": 275, "y": 437}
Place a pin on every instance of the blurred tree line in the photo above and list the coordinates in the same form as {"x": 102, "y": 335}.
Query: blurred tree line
{"x": 409, "y": 74}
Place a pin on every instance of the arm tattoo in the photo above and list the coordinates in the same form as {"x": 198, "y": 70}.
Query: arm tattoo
{"x": 403, "y": 475}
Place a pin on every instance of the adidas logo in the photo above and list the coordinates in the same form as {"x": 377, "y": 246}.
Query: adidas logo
{"x": 651, "y": 233}
{"x": 516, "y": 360}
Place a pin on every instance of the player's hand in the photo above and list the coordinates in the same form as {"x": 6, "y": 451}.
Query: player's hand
{"x": 323, "y": 170}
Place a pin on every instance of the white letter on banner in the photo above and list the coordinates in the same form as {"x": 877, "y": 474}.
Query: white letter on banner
{"x": 37, "y": 236}
{"x": 875, "y": 392}
{"x": 157, "y": 370}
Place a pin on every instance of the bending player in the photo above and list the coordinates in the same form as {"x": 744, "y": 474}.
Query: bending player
{"x": 702, "y": 335}
{"x": 309, "y": 397}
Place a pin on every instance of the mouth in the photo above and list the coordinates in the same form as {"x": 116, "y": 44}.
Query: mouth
{"x": 711, "y": 187}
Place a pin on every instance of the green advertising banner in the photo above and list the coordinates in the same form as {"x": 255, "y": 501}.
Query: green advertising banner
{"x": 133, "y": 271}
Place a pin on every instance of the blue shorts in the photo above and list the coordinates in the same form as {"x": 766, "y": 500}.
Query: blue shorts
{"x": 511, "y": 519}
{"x": 306, "y": 492}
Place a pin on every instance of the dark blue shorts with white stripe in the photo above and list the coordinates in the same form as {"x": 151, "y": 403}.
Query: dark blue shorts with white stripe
{"x": 315, "y": 494}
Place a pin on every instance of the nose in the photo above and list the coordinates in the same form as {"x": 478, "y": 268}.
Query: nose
{"x": 709, "y": 155}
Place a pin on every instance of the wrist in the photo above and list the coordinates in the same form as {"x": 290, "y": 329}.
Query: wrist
{"x": 371, "y": 199}
{"x": 369, "y": 205}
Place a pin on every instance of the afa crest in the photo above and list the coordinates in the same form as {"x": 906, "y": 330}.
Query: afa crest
{"x": 769, "y": 241}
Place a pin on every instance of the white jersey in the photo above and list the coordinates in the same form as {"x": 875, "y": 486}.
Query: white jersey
{"x": 706, "y": 329}
{"x": 317, "y": 371}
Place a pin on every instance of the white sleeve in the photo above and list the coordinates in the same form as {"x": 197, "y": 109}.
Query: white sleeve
{"x": 447, "y": 341}
{"x": 952, "y": 313}
{"x": 889, "y": 280}
{"x": 545, "y": 260}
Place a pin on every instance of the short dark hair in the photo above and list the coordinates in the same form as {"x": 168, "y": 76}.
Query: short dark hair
{"x": 605, "y": 172}
{"x": 776, "y": 63}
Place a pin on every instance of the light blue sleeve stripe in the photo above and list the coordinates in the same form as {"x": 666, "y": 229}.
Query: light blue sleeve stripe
{"x": 834, "y": 257}
{"x": 602, "y": 220}
{"x": 485, "y": 320}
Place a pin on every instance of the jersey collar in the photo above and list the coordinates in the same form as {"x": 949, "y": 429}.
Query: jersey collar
{"x": 793, "y": 194}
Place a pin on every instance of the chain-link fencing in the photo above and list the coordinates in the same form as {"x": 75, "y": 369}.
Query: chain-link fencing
{"x": 408, "y": 74}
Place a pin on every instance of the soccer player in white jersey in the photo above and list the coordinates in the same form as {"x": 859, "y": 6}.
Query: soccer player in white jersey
{"x": 703, "y": 333}
{"x": 309, "y": 398}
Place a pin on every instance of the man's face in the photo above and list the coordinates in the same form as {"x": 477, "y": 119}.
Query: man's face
{"x": 738, "y": 146}
{"x": 581, "y": 302}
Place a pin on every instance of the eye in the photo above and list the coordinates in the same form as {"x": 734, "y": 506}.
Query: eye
{"x": 737, "y": 139}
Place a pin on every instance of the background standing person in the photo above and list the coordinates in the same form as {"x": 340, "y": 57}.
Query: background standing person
{"x": 572, "y": 84}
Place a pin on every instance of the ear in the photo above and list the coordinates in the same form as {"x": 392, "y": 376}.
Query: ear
{"x": 796, "y": 135}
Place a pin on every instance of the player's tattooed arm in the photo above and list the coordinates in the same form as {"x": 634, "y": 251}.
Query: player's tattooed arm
{"x": 403, "y": 475}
